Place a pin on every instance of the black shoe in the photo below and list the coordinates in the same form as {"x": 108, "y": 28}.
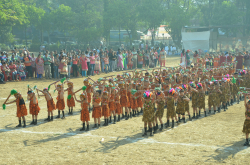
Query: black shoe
{"x": 184, "y": 121}
{"x": 155, "y": 129}
{"x": 246, "y": 143}
{"x": 130, "y": 115}
{"x": 127, "y": 117}
{"x": 151, "y": 134}
{"x": 63, "y": 117}
{"x": 24, "y": 124}
{"x": 118, "y": 118}
{"x": 33, "y": 122}
{"x": 109, "y": 119}
{"x": 193, "y": 116}
{"x": 95, "y": 126}
{"x": 83, "y": 127}
{"x": 19, "y": 125}
{"x": 49, "y": 119}
{"x": 145, "y": 134}
{"x": 205, "y": 114}
{"x": 123, "y": 116}
{"x": 161, "y": 127}
{"x": 58, "y": 116}
{"x": 114, "y": 120}
{"x": 172, "y": 124}
{"x": 87, "y": 128}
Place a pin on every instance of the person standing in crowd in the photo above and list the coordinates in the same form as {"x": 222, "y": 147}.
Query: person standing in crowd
{"x": 13, "y": 71}
{"x": 146, "y": 59}
{"x": 140, "y": 59}
{"x": 92, "y": 63}
{"x": 1, "y": 77}
{"x": 47, "y": 62}
{"x": 27, "y": 63}
{"x": 112, "y": 58}
{"x": 52, "y": 63}
{"x": 69, "y": 63}
{"x": 239, "y": 60}
{"x": 247, "y": 60}
{"x": 216, "y": 61}
{"x": 83, "y": 60}
{"x": 20, "y": 58}
{"x": 106, "y": 61}
{"x": 88, "y": 62}
{"x": 120, "y": 61}
{"x": 33, "y": 64}
{"x": 155, "y": 57}
{"x": 188, "y": 60}
{"x": 124, "y": 54}
{"x": 195, "y": 57}
{"x": 102, "y": 56}
{"x": 222, "y": 59}
{"x": 56, "y": 65}
{"x": 97, "y": 62}
{"x": 75, "y": 65}
{"x": 39, "y": 66}
{"x": 134, "y": 59}
{"x": 130, "y": 60}
{"x": 163, "y": 57}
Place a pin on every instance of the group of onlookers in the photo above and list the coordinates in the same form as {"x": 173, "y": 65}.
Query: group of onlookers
{"x": 22, "y": 65}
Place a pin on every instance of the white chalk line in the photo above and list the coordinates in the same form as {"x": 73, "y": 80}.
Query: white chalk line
{"x": 135, "y": 140}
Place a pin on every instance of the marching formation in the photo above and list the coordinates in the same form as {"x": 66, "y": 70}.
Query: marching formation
{"x": 146, "y": 92}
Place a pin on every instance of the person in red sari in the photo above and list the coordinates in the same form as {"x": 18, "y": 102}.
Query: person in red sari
{"x": 222, "y": 59}
{"x": 239, "y": 60}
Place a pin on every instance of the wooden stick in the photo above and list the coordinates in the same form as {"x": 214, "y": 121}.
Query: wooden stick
{"x": 7, "y": 99}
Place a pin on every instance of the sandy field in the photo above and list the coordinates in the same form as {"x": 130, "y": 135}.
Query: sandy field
{"x": 216, "y": 139}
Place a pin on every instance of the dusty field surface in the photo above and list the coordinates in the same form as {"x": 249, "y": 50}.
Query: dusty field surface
{"x": 216, "y": 139}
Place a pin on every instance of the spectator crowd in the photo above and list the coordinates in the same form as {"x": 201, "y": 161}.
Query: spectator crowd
{"x": 25, "y": 65}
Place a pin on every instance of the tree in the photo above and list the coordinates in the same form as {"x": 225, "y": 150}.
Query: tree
{"x": 11, "y": 13}
{"x": 153, "y": 14}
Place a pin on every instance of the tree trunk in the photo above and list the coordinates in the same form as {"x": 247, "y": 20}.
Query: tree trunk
{"x": 120, "y": 35}
{"x": 129, "y": 35}
{"x": 25, "y": 35}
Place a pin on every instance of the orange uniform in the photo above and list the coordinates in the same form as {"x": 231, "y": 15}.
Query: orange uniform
{"x": 60, "y": 104}
{"x": 112, "y": 103}
{"x": 118, "y": 108}
{"x": 71, "y": 101}
{"x": 216, "y": 62}
{"x": 21, "y": 108}
{"x": 97, "y": 113}
{"x": 124, "y": 98}
{"x": 85, "y": 112}
{"x": 129, "y": 95}
{"x": 105, "y": 108}
{"x": 139, "y": 100}
{"x": 133, "y": 103}
{"x": 88, "y": 94}
{"x": 34, "y": 108}
{"x": 51, "y": 105}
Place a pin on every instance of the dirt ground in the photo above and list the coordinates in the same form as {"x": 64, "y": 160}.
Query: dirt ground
{"x": 215, "y": 139}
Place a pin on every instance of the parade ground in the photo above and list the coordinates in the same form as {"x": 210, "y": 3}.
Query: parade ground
{"x": 215, "y": 139}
